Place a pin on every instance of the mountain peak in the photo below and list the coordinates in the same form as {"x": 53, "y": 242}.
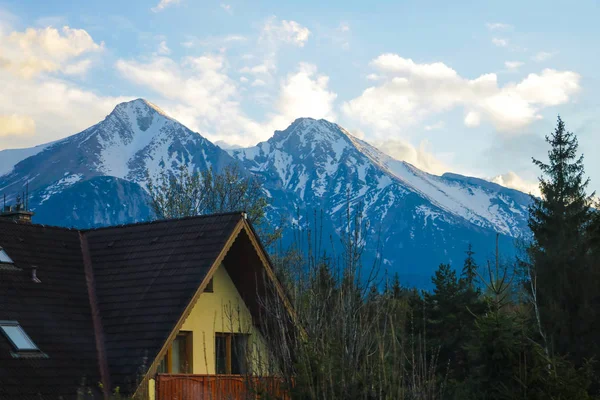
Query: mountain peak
{"x": 313, "y": 130}
{"x": 309, "y": 122}
{"x": 139, "y": 106}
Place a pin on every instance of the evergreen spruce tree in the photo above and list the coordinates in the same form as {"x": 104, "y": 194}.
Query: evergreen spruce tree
{"x": 396, "y": 290}
{"x": 559, "y": 221}
{"x": 450, "y": 313}
{"x": 469, "y": 271}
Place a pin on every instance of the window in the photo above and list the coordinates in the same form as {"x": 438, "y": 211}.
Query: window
{"x": 209, "y": 286}
{"x": 4, "y": 258}
{"x": 17, "y": 336}
{"x": 230, "y": 352}
{"x": 179, "y": 357}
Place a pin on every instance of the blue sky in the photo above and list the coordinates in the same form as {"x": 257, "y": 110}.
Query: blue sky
{"x": 472, "y": 88}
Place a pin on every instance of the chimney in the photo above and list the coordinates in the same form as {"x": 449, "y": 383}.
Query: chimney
{"x": 34, "y": 277}
{"x": 20, "y": 211}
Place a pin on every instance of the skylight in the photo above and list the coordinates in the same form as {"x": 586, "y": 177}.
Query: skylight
{"x": 17, "y": 336}
{"x": 4, "y": 258}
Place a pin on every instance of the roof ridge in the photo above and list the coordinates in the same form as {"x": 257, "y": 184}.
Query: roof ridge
{"x": 155, "y": 221}
{"x": 62, "y": 228}
{"x": 159, "y": 221}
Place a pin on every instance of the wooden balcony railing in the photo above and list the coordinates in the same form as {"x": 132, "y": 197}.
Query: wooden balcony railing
{"x": 219, "y": 387}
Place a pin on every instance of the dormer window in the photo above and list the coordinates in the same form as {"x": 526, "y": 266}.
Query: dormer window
{"x": 4, "y": 258}
{"x": 17, "y": 336}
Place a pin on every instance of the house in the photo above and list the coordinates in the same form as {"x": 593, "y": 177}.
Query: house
{"x": 143, "y": 309}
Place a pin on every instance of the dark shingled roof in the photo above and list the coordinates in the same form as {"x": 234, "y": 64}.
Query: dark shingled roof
{"x": 145, "y": 276}
{"x": 55, "y": 313}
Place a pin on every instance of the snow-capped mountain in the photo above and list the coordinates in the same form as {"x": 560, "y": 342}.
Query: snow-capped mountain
{"x": 134, "y": 138}
{"x": 420, "y": 219}
{"x": 416, "y": 220}
{"x": 308, "y": 157}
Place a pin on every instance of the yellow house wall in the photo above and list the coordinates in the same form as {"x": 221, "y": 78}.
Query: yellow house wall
{"x": 222, "y": 311}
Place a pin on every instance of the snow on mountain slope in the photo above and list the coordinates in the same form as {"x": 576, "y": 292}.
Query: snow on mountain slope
{"x": 311, "y": 166}
{"x": 135, "y": 138}
{"x": 416, "y": 220}
{"x": 10, "y": 157}
{"x": 138, "y": 137}
{"x": 331, "y": 149}
{"x": 480, "y": 202}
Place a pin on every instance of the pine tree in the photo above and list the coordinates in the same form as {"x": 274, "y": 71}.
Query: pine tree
{"x": 558, "y": 221}
{"x": 396, "y": 289}
{"x": 449, "y": 312}
{"x": 469, "y": 271}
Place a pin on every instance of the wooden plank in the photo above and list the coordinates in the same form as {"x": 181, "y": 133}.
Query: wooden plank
{"x": 209, "y": 387}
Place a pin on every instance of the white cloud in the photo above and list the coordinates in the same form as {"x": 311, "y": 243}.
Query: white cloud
{"x": 305, "y": 93}
{"x": 373, "y": 77}
{"x": 392, "y": 63}
{"x": 341, "y": 36}
{"x": 472, "y": 119}
{"x": 543, "y": 56}
{"x": 285, "y": 31}
{"x": 513, "y": 65}
{"x": 198, "y": 81}
{"x": 54, "y": 109}
{"x": 500, "y": 42}
{"x": 435, "y": 127}
{"x": 514, "y": 181}
{"x": 34, "y": 51}
{"x": 234, "y": 38}
{"x": 213, "y": 42}
{"x": 409, "y": 92}
{"x": 16, "y": 124}
{"x": 164, "y": 4}
{"x": 78, "y": 68}
{"x": 419, "y": 156}
{"x": 274, "y": 34}
{"x": 498, "y": 26}
{"x": 258, "y": 82}
{"x": 260, "y": 69}
{"x": 37, "y": 106}
{"x": 163, "y": 49}
{"x": 199, "y": 92}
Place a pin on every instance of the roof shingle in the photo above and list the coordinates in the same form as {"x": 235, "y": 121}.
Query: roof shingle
{"x": 145, "y": 276}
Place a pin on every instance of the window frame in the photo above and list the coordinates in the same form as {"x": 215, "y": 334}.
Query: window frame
{"x": 229, "y": 345}
{"x": 188, "y": 354}
{"x": 18, "y": 349}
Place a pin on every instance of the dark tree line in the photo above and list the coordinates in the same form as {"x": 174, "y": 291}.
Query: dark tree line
{"x": 510, "y": 329}
{"x": 527, "y": 328}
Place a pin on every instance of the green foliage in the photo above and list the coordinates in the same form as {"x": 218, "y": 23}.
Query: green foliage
{"x": 565, "y": 276}
{"x": 356, "y": 341}
{"x": 479, "y": 334}
{"x": 471, "y": 337}
{"x": 469, "y": 271}
{"x": 186, "y": 194}
{"x": 451, "y": 310}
